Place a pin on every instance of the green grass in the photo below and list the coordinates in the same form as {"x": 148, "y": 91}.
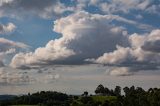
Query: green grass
{"x": 102, "y": 99}
{"x": 95, "y": 98}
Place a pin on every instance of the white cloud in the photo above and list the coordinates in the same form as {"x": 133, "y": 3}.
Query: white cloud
{"x": 73, "y": 79}
{"x": 120, "y": 71}
{"x": 93, "y": 2}
{"x": 45, "y": 9}
{"x": 41, "y": 56}
{"x": 5, "y": 1}
{"x": 8, "y": 47}
{"x": 8, "y": 28}
{"x": 10, "y": 76}
{"x": 81, "y": 32}
{"x": 13, "y": 77}
{"x": 121, "y": 6}
{"x": 154, "y": 9}
{"x": 116, "y": 57}
{"x": 54, "y": 8}
{"x": 4, "y": 54}
{"x": 144, "y": 49}
{"x": 125, "y": 6}
{"x": 50, "y": 78}
{"x": 139, "y": 16}
{"x": 6, "y": 44}
{"x": 93, "y": 38}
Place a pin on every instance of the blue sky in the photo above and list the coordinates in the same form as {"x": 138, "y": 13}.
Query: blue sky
{"x": 34, "y": 32}
{"x": 120, "y": 36}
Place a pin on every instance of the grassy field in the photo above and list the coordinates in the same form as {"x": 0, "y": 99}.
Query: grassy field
{"x": 96, "y": 98}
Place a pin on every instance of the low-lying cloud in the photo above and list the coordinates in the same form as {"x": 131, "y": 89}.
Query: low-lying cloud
{"x": 8, "y": 28}
{"x": 13, "y": 77}
{"x": 8, "y": 47}
{"x": 120, "y": 71}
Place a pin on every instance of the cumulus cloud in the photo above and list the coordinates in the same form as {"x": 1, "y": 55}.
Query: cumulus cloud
{"x": 81, "y": 32}
{"x": 116, "y": 57}
{"x": 93, "y": 38}
{"x": 125, "y": 6}
{"x": 55, "y": 8}
{"x": 8, "y": 47}
{"x": 44, "y": 9}
{"x": 114, "y": 6}
{"x": 120, "y": 71}
{"x": 144, "y": 49}
{"x": 155, "y": 8}
{"x": 152, "y": 46}
{"x": 6, "y": 44}
{"x": 8, "y": 28}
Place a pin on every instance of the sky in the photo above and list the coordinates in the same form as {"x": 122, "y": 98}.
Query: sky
{"x": 74, "y": 45}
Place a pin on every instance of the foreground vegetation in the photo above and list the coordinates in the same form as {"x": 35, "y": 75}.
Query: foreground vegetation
{"x": 24, "y": 105}
{"x": 103, "y": 97}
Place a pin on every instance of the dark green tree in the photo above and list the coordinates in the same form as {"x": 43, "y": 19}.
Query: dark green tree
{"x": 117, "y": 91}
{"x": 85, "y": 93}
{"x": 100, "y": 90}
{"x": 107, "y": 91}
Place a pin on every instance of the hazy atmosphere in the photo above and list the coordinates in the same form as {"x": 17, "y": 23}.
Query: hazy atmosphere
{"x": 72, "y": 46}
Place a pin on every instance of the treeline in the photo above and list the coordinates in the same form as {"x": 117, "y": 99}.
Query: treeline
{"x": 132, "y": 96}
{"x": 43, "y": 98}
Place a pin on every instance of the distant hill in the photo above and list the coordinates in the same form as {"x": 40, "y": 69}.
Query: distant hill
{"x": 6, "y": 97}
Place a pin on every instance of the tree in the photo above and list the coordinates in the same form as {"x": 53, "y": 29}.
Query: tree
{"x": 126, "y": 91}
{"x": 85, "y": 93}
{"x": 100, "y": 89}
{"x": 107, "y": 91}
{"x": 117, "y": 91}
